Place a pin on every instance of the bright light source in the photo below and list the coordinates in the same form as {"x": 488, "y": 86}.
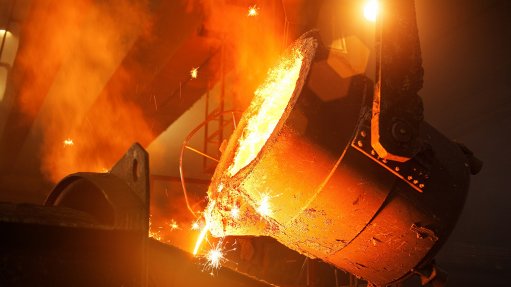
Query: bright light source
{"x": 195, "y": 226}
{"x": 215, "y": 256}
{"x": 5, "y": 33}
{"x": 371, "y": 10}
{"x": 253, "y": 11}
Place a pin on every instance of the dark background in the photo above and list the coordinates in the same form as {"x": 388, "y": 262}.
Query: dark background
{"x": 467, "y": 95}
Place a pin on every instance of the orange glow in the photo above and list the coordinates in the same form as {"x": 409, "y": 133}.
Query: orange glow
{"x": 241, "y": 29}
{"x": 371, "y": 9}
{"x": 82, "y": 102}
{"x": 194, "y": 73}
{"x": 270, "y": 101}
{"x": 253, "y": 11}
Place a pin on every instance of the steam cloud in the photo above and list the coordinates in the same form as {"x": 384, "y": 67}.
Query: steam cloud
{"x": 71, "y": 49}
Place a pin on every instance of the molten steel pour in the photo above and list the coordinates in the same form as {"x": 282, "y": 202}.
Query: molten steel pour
{"x": 201, "y": 237}
{"x": 267, "y": 107}
{"x": 257, "y": 125}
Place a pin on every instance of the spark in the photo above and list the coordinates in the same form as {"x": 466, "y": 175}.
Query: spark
{"x": 371, "y": 10}
{"x": 195, "y": 226}
{"x": 253, "y": 11}
{"x": 201, "y": 237}
{"x": 263, "y": 207}
{"x": 155, "y": 234}
{"x": 68, "y": 142}
{"x": 235, "y": 212}
{"x": 194, "y": 73}
{"x": 173, "y": 225}
{"x": 215, "y": 257}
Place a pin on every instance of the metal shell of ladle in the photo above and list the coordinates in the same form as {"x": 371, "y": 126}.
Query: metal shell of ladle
{"x": 318, "y": 187}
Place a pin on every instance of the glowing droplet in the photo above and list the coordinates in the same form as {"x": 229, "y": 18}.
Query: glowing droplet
{"x": 68, "y": 142}
{"x": 194, "y": 73}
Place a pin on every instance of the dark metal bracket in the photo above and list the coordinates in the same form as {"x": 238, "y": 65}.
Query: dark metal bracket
{"x": 397, "y": 110}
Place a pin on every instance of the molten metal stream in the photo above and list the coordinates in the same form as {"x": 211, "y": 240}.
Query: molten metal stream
{"x": 267, "y": 107}
{"x": 228, "y": 206}
{"x": 201, "y": 237}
